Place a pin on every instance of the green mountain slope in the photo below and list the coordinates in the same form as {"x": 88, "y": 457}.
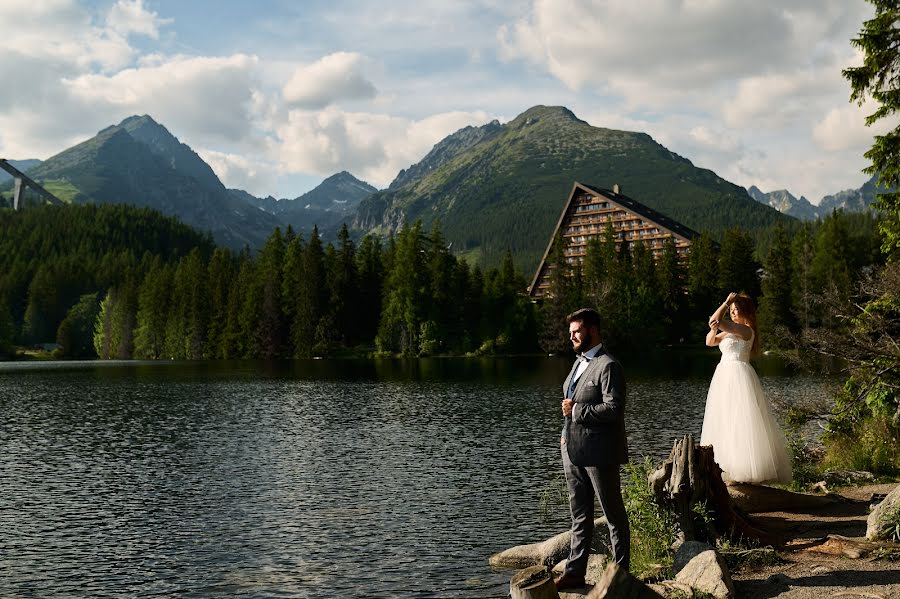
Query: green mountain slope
{"x": 507, "y": 189}
{"x": 139, "y": 162}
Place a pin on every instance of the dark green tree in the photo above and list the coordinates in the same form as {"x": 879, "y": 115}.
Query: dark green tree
{"x": 776, "y": 315}
{"x": 270, "y": 331}
{"x": 405, "y": 302}
{"x": 370, "y": 270}
{"x": 75, "y": 335}
{"x": 737, "y": 267}
{"x": 878, "y": 78}
{"x": 154, "y": 296}
{"x": 311, "y": 301}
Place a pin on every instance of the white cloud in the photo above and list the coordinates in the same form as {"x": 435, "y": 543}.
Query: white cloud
{"x": 374, "y": 147}
{"x": 335, "y": 77}
{"x": 130, "y": 16}
{"x": 210, "y": 97}
{"x": 844, "y": 128}
{"x": 60, "y": 33}
{"x": 237, "y": 171}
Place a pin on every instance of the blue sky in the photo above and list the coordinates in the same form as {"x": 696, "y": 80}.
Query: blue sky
{"x": 278, "y": 95}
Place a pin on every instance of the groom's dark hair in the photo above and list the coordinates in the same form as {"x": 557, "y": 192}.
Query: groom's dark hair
{"x": 589, "y": 317}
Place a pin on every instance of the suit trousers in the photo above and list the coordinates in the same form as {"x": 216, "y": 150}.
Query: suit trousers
{"x": 583, "y": 482}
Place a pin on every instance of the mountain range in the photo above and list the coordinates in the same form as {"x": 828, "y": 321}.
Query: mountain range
{"x": 850, "y": 200}
{"x": 500, "y": 187}
{"x": 326, "y": 206}
{"x": 492, "y": 188}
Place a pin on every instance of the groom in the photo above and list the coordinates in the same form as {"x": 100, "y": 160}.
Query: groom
{"x": 593, "y": 445}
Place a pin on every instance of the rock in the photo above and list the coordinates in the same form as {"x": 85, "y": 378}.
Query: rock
{"x": 616, "y": 583}
{"x": 708, "y": 573}
{"x": 595, "y": 567}
{"x": 848, "y": 477}
{"x": 548, "y": 552}
{"x": 884, "y": 519}
{"x": 821, "y": 570}
{"x": 672, "y": 587}
{"x": 686, "y": 552}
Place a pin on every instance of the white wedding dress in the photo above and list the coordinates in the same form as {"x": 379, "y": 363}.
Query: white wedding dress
{"x": 747, "y": 442}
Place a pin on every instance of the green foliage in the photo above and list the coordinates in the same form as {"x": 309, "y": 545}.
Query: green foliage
{"x": 776, "y": 316}
{"x": 869, "y": 443}
{"x": 890, "y": 521}
{"x": 879, "y": 41}
{"x": 75, "y": 333}
{"x": 653, "y": 527}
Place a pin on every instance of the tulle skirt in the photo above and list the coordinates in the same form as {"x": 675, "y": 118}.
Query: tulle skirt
{"x": 747, "y": 443}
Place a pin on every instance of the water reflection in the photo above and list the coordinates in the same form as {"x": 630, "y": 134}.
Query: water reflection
{"x": 353, "y": 478}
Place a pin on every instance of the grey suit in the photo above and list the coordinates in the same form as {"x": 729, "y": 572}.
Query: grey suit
{"x": 593, "y": 447}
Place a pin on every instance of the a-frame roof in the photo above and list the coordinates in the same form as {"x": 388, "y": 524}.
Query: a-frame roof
{"x": 622, "y": 201}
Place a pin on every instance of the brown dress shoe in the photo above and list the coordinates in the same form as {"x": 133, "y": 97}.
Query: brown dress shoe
{"x": 569, "y": 581}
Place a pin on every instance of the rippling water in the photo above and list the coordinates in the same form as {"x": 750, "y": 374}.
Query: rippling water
{"x": 300, "y": 479}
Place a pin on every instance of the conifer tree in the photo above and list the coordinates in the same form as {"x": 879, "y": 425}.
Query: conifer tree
{"x": 270, "y": 330}
{"x": 776, "y": 316}
{"x": 405, "y": 303}
{"x": 103, "y": 327}
{"x": 75, "y": 333}
{"x": 290, "y": 282}
{"x": 559, "y": 302}
{"x": 442, "y": 307}
{"x": 737, "y": 267}
{"x": 343, "y": 285}
{"x": 371, "y": 278}
{"x": 154, "y": 296}
{"x": 803, "y": 292}
{"x": 311, "y": 299}
{"x": 220, "y": 277}
{"x": 7, "y": 332}
{"x": 703, "y": 284}
{"x": 197, "y": 305}
{"x": 877, "y": 78}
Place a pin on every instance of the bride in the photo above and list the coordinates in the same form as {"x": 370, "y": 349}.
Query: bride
{"x": 747, "y": 443}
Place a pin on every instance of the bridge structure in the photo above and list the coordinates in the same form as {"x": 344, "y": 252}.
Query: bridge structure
{"x": 23, "y": 181}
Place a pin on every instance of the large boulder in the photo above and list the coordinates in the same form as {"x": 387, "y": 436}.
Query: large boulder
{"x": 883, "y": 520}
{"x": 548, "y": 552}
{"x": 686, "y": 552}
{"x": 707, "y": 572}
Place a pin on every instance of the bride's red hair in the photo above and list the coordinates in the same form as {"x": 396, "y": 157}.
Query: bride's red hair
{"x": 747, "y": 310}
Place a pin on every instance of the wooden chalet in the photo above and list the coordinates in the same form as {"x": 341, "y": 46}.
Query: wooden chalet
{"x": 585, "y": 216}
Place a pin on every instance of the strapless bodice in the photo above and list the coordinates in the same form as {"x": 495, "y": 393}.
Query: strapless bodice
{"x": 735, "y": 349}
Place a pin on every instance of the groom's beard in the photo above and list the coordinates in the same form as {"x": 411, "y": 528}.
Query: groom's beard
{"x": 586, "y": 344}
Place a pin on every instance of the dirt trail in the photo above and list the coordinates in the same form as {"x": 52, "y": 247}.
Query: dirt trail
{"x": 809, "y": 574}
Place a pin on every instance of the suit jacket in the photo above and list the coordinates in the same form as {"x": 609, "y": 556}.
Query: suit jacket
{"x": 595, "y": 433}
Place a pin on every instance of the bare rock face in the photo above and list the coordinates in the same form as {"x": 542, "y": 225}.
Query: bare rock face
{"x": 884, "y": 518}
{"x": 707, "y": 573}
{"x": 548, "y": 552}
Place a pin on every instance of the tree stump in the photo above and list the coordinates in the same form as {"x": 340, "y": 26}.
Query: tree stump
{"x": 690, "y": 476}
{"x": 534, "y": 582}
{"x": 617, "y": 582}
